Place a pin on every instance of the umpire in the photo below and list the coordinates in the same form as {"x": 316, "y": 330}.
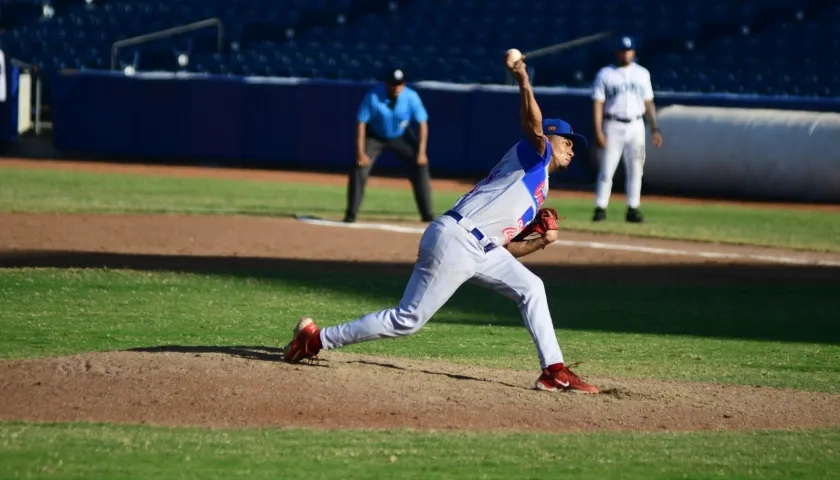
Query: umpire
{"x": 383, "y": 123}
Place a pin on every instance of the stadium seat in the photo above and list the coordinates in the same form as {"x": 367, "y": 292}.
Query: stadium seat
{"x": 273, "y": 36}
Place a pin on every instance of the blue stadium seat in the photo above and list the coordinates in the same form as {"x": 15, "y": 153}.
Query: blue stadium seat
{"x": 460, "y": 40}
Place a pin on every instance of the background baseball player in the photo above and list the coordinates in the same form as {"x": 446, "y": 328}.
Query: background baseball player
{"x": 383, "y": 123}
{"x": 621, "y": 95}
{"x": 479, "y": 240}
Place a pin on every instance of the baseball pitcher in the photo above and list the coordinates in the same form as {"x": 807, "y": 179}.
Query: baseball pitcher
{"x": 622, "y": 95}
{"x": 479, "y": 240}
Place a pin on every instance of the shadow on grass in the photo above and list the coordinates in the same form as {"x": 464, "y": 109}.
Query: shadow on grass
{"x": 745, "y": 301}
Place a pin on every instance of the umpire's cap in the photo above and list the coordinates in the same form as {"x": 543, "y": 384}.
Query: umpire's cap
{"x": 394, "y": 76}
{"x": 555, "y": 126}
{"x": 625, "y": 43}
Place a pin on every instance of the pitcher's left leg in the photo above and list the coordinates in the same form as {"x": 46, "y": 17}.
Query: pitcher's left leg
{"x": 506, "y": 275}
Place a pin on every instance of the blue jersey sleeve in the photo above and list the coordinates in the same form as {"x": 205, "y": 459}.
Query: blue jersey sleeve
{"x": 418, "y": 111}
{"x": 365, "y": 109}
{"x": 529, "y": 157}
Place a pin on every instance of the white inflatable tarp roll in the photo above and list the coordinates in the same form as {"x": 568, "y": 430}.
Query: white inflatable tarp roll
{"x": 771, "y": 154}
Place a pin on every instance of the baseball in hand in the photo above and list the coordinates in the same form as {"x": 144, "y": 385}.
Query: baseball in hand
{"x": 512, "y": 56}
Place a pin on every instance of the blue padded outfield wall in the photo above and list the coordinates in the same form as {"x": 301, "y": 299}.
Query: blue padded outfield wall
{"x": 311, "y": 123}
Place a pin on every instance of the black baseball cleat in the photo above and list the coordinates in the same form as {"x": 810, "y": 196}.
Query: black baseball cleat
{"x": 600, "y": 215}
{"x": 349, "y": 218}
{"x": 634, "y": 216}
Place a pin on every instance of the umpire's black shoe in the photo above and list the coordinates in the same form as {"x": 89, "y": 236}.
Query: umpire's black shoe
{"x": 600, "y": 215}
{"x": 634, "y": 216}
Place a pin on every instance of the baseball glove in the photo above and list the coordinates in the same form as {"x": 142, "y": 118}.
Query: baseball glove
{"x": 545, "y": 220}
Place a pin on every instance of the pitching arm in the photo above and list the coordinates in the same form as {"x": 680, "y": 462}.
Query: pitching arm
{"x": 530, "y": 116}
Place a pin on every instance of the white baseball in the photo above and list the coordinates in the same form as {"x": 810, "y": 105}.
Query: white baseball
{"x": 512, "y": 56}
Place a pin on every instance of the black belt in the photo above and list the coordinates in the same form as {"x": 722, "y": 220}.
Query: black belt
{"x": 475, "y": 232}
{"x": 622, "y": 120}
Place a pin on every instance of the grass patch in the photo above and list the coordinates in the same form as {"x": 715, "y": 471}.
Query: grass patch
{"x": 728, "y": 334}
{"x": 35, "y": 190}
{"x": 83, "y": 451}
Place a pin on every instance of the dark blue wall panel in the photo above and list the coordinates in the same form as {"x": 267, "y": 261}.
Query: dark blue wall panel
{"x": 492, "y": 127}
{"x": 269, "y": 123}
{"x": 327, "y": 122}
{"x": 215, "y": 129}
{"x": 162, "y": 117}
{"x": 93, "y": 113}
{"x": 449, "y": 139}
{"x": 281, "y": 122}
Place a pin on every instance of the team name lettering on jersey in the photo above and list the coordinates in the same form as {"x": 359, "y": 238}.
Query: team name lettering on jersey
{"x": 634, "y": 88}
{"x": 623, "y": 90}
{"x": 539, "y": 193}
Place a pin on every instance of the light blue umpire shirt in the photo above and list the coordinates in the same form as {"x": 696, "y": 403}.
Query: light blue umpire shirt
{"x": 388, "y": 122}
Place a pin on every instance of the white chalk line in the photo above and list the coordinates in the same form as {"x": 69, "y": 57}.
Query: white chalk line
{"x": 601, "y": 245}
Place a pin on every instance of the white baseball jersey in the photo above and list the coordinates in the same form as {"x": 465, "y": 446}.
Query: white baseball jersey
{"x": 623, "y": 90}
{"x": 507, "y": 200}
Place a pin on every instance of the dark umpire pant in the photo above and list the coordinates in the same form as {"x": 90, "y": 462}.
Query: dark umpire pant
{"x": 405, "y": 147}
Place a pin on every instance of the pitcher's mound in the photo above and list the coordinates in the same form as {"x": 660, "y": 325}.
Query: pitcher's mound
{"x": 249, "y": 386}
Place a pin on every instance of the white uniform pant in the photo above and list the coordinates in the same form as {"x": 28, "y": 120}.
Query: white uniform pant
{"x": 448, "y": 257}
{"x": 627, "y": 139}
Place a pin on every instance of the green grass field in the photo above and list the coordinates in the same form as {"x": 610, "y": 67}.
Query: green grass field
{"x": 784, "y": 335}
{"x": 25, "y": 190}
{"x": 84, "y": 451}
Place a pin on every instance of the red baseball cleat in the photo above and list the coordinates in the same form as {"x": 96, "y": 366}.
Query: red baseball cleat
{"x": 306, "y": 342}
{"x": 563, "y": 379}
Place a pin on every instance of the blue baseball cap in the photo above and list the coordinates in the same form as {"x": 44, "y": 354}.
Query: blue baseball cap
{"x": 555, "y": 126}
{"x": 625, "y": 43}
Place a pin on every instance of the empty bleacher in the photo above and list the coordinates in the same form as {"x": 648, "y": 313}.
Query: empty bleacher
{"x": 771, "y": 47}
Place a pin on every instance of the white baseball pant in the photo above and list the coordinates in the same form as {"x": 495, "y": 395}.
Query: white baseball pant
{"x": 448, "y": 257}
{"x": 627, "y": 139}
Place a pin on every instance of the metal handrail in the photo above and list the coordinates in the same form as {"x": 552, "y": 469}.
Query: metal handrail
{"x": 168, "y": 33}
